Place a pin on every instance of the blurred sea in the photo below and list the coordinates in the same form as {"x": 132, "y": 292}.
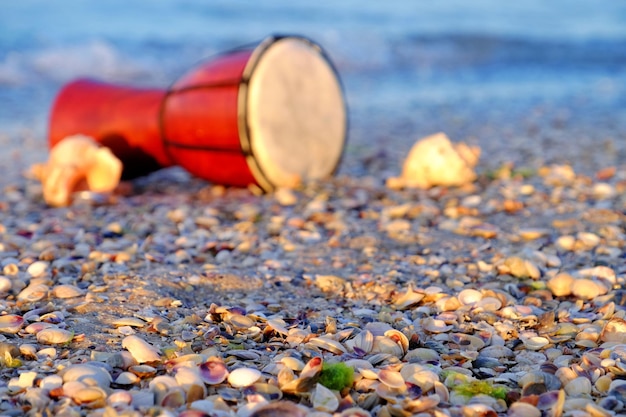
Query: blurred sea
{"x": 482, "y": 69}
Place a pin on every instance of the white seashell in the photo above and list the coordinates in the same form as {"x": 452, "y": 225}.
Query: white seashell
{"x": 408, "y": 299}
{"x": 5, "y": 284}
{"x": 37, "y": 268}
{"x": 435, "y": 325}
{"x": 70, "y": 388}
{"x": 129, "y": 321}
{"x": 561, "y": 284}
{"x": 11, "y": 323}
{"x": 243, "y": 377}
{"x": 328, "y": 344}
{"x": 240, "y": 322}
{"x": 324, "y": 399}
{"x": 392, "y": 379}
{"x": 35, "y": 328}
{"x": 292, "y": 363}
{"x": 28, "y": 351}
{"x": 33, "y": 292}
{"x": 51, "y": 382}
{"x": 47, "y": 353}
{"x": 469, "y": 296}
{"x": 127, "y": 378}
{"x": 67, "y": 291}
{"x": 189, "y": 379}
{"x": 279, "y": 326}
{"x": 522, "y": 409}
{"x": 385, "y": 345}
{"x": 423, "y": 403}
{"x": 536, "y": 342}
{"x": 420, "y": 376}
{"x": 87, "y": 374}
{"x": 578, "y": 387}
{"x": 587, "y": 289}
{"x": 52, "y": 336}
{"x": 121, "y": 397}
{"x": 141, "y": 350}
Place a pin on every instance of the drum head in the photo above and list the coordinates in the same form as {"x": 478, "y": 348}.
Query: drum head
{"x": 295, "y": 114}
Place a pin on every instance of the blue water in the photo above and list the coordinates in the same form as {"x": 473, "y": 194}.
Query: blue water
{"x": 408, "y": 67}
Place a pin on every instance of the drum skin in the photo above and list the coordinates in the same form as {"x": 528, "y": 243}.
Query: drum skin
{"x": 199, "y": 123}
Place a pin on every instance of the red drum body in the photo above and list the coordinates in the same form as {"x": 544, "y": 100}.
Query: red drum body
{"x": 270, "y": 115}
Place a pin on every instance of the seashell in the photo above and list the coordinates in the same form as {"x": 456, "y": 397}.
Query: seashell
{"x": 54, "y": 336}
{"x": 362, "y": 342}
{"x": 5, "y": 284}
{"x": 173, "y": 399}
{"x": 213, "y": 371}
{"x": 328, "y": 344}
{"x": 279, "y": 409}
{"x": 74, "y": 161}
{"x": 324, "y": 399}
{"x": 469, "y": 296}
{"x": 466, "y": 341}
{"x": 67, "y": 291}
{"x": 268, "y": 392}
{"x": 421, "y": 376}
{"x": 127, "y": 378}
{"x": 421, "y": 404}
{"x": 561, "y": 284}
{"x": 390, "y": 394}
{"x": 37, "y": 268}
{"x": 536, "y": 342}
{"x": 292, "y": 363}
{"x": 35, "y": 328}
{"x": 496, "y": 351}
{"x": 190, "y": 381}
{"x": 11, "y": 323}
{"x": 54, "y": 317}
{"x": 51, "y": 382}
{"x": 355, "y": 412}
{"x": 435, "y": 325}
{"x": 578, "y": 386}
{"x": 587, "y": 289}
{"x": 422, "y": 355}
{"x": 312, "y": 368}
{"x": 91, "y": 397}
{"x": 408, "y": 299}
{"x": 434, "y": 160}
{"x": 143, "y": 371}
{"x": 614, "y": 331}
{"x": 448, "y": 303}
{"x": 119, "y": 398}
{"x": 383, "y": 344}
{"x": 87, "y": 374}
{"x": 162, "y": 383}
{"x": 243, "y": 377}
{"x": 240, "y": 322}
{"x": 399, "y": 338}
{"x": 33, "y": 293}
{"x": 278, "y": 325}
{"x": 141, "y": 350}
{"x": 392, "y": 379}
{"x": 28, "y": 351}
{"x": 128, "y": 321}
{"x": 522, "y": 409}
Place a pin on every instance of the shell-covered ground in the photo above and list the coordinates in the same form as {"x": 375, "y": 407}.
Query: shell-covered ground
{"x": 342, "y": 297}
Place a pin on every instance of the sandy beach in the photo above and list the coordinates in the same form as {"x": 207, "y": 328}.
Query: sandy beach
{"x": 341, "y": 297}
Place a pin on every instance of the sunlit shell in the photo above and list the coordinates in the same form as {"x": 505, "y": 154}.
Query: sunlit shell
{"x": 561, "y": 284}
{"x": 126, "y": 378}
{"x": 243, "y": 377}
{"x": 279, "y": 326}
{"x": 578, "y": 386}
{"x": 11, "y": 323}
{"x": 129, "y": 321}
{"x": 312, "y": 368}
{"x": 173, "y": 399}
{"x": 399, "y": 338}
{"x": 33, "y": 292}
{"x": 189, "y": 378}
{"x": 392, "y": 379}
{"x": 92, "y": 397}
{"x": 141, "y": 350}
{"x": 435, "y": 325}
{"x": 362, "y": 342}
{"x": 54, "y": 336}
{"x": 522, "y": 409}
{"x": 423, "y": 403}
{"x": 292, "y": 363}
{"x": 383, "y": 344}
{"x": 143, "y": 371}
{"x": 587, "y": 289}
{"x": 416, "y": 374}
{"x": 355, "y": 412}
{"x": 614, "y": 331}
{"x": 213, "y": 371}
{"x": 67, "y": 291}
{"x": 536, "y": 342}
{"x": 328, "y": 344}
{"x": 391, "y": 394}
{"x": 324, "y": 399}
{"x": 119, "y": 398}
{"x": 240, "y": 322}
{"x": 87, "y": 374}
{"x": 469, "y": 296}
{"x": 408, "y": 299}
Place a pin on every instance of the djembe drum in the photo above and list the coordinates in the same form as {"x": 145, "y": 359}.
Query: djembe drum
{"x": 272, "y": 114}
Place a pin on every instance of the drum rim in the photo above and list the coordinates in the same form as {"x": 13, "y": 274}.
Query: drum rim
{"x": 243, "y": 125}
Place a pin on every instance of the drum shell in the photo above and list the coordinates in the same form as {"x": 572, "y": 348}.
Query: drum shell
{"x": 201, "y": 121}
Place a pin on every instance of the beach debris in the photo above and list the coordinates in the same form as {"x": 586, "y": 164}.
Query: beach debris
{"x": 77, "y": 163}
{"x": 435, "y": 160}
